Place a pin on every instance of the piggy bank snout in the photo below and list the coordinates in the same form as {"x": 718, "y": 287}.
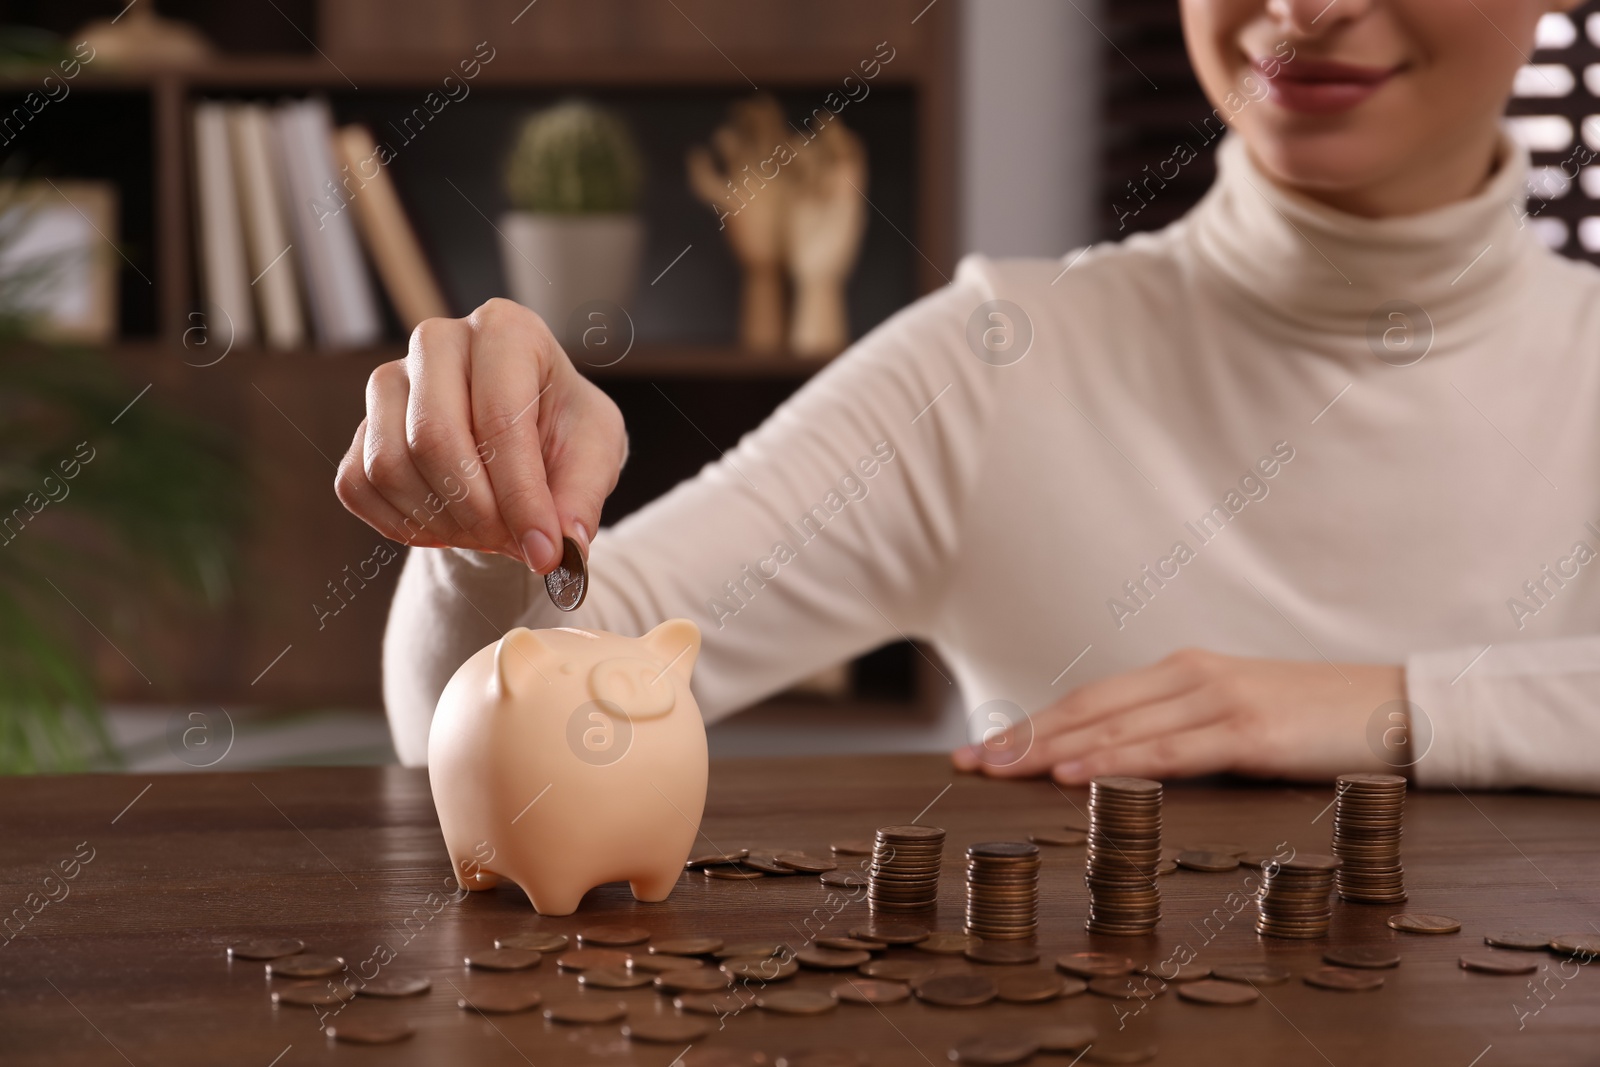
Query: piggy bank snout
{"x": 638, "y": 688}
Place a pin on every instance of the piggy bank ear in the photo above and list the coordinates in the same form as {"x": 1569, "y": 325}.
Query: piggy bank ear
{"x": 676, "y": 644}
{"x": 516, "y": 662}
{"x": 638, "y": 688}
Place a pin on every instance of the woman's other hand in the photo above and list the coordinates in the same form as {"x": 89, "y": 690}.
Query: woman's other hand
{"x": 1198, "y": 712}
{"x": 485, "y": 437}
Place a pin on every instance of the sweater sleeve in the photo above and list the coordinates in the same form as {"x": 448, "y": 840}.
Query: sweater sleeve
{"x": 823, "y": 534}
{"x": 1524, "y": 714}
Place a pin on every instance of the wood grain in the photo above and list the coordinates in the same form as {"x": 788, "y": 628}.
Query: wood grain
{"x": 128, "y": 966}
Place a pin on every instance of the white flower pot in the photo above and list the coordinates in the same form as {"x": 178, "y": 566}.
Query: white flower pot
{"x": 556, "y": 263}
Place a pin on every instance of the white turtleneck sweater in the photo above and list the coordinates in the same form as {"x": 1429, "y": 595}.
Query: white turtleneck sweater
{"x": 1201, "y": 447}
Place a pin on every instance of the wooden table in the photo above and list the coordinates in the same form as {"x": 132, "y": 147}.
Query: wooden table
{"x": 127, "y": 965}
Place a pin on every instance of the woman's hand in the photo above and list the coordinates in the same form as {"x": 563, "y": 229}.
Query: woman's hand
{"x": 486, "y": 437}
{"x": 1199, "y": 712}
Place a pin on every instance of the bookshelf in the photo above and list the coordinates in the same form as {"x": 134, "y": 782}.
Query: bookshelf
{"x": 671, "y": 70}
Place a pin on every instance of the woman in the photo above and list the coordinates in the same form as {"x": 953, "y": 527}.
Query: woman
{"x": 1259, "y": 480}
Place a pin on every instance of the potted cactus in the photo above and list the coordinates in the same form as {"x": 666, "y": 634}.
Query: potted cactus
{"x": 573, "y": 237}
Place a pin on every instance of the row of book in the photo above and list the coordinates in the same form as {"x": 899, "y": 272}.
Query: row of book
{"x": 285, "y": 203}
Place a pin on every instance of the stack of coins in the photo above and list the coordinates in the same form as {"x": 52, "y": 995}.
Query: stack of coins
{"x": 904, "y": 875}
{"x": 1124, "y": 851}
{"x": 1003, "y": 890}
{"x": 1294, "y": 898}
{"x": 1367, "y": 814}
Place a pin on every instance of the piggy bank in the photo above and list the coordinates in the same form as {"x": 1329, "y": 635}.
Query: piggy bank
{"x": 561, "y": 759}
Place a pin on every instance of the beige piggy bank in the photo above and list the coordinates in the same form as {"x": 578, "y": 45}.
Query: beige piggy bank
{"x": 561, "y": 759}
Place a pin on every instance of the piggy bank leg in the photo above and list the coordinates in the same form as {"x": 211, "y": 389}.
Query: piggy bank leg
{"x": 656, "y": 885}
{"x": 470, "y": 873}
{"x": 553, "y": 896}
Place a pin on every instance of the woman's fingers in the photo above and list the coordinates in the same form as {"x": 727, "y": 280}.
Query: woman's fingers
{"x": 1186, "y": 711}
{"x": 1205, "y": 750}
{"x": 515, "y": 362}
{"x": 357, "y": 494}
{"x": 583, "y": 462}
{"x": 439, "y": 430}
{"x": 386, "y": 459}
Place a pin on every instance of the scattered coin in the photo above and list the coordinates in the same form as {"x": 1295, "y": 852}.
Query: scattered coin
{"x": 1059, "y": 838}
{"x": 664, "y": 1029}
{"x": 732, "y": 874}
{"x": 749, "y": 948}
{"x": 305, "y": 966}
{"x": 1128, "y": 987}
{"x": 1064, "y": 1037}
{"x": 996, "y": 1049}
{"x": 613, "y": 935}
{"x": 266, "y": 949}
{"x": 397, "y": 985}
{"x": 797, "y": 1001}
{"x": 1368, "y": 812}
{"x": 1499, "y": 963}
{"x": 1576, "y": 944}
{"x": 1518, "y": 939}
{"x": 851, "y": 944}
{"x": 767, "y": 863}
{"x": 699, "y": 980}
{"x": 533, "y": 942}
{"x": 1094, "y": 964}
{"x": 581, "y": 959}
{"x": 358, "y": 1031}
{"x": 853, "y": 847}
{"x": 942, "y": 943}
{"x": 845, "y": 879}
{"x": 717, "y": 1056}
{"x": 1343, "y": 980}
{"x": 1120, "y": 1050}
{"x": 1003, "y": 952}
{"x": 1210, "y": 991}
{"x": 1252, "y": 973}
{"x": 762, "y": 968}
{"x": 506, "y": 959}
{"x": 702, "y": 859}
{"x": 613, "y": 978}
{"x": 1169, "y": 971}
{"x": 711, "y": 1003}
{"x": 1124, "y": 839}
{"x": 1080, "y": 825}
{"x": 871, "y": 991}
{"x": 1417, "y": 923}
{"x": 1367, "y": 958}
{"x": 824, "y": 959}
{"x": 891, "y": 933}
{"x": 1166, "y": 866}
{"x": 1195, "y": 860}
{"x": 1227, "y": 848}
{"x": 899, "y": 970}
{"x": 904, "y": 874}
{"x": 311, "y": 994}
{"x": 648, "y": 964}
{"x": 1033, "y": 986}
{"x": 504, "y": 1001}
{"x": 955, "y": 990}
{"x": 569, "y": 582}
{"x": 686, "y": 946}
{"x": 799, "y": 861}
{"x": 586, "y": 1012}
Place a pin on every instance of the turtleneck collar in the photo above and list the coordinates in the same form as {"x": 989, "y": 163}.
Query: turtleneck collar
{"x": 1329, "y": 271}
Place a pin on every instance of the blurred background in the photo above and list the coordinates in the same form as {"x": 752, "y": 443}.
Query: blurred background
{"x": 217, "y": 218}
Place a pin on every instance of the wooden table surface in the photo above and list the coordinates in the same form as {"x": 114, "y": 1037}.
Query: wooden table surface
{"x": 127, "y": 965}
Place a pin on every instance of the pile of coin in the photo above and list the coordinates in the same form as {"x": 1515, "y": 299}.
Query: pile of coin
{"x": 1295, "y": 897}
{"x": 1367, "y": 814}
{"x": 1124, "y": 851}
{"x": 1003, "y": 890}
{"x": 904, "y": 875}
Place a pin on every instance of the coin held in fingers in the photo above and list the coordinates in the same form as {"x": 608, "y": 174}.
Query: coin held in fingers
{"x": 569, "y": 582}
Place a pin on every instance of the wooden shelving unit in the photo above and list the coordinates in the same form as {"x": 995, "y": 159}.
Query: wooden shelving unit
{"x": 293, "y": 412}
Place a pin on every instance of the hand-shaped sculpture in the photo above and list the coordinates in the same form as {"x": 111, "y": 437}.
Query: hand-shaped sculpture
{"x": 826, "y": 219}
{"x": 743, "y": 184}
